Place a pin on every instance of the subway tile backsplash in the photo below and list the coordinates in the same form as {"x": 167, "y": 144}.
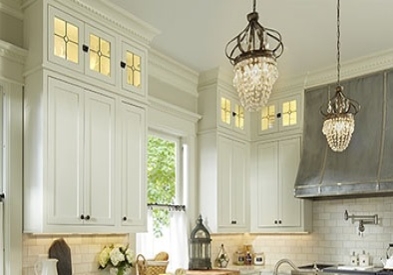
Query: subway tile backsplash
{"x": 84, "y": 250}
{"x": 332, "y": 240}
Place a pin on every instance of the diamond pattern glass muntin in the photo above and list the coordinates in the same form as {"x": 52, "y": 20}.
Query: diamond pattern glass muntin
{"x": 133, "y": 69}
{"x": 100, "y": 55}
{"x": 66, "y": 40}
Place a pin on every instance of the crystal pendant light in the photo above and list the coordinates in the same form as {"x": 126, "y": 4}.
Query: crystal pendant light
{"x": 253, "y": 53}
{"x": 339, "y": 121}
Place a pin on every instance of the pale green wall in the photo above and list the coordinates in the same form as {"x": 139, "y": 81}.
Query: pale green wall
{"x": 11, "y": 29}
{"x": 172, "y": 95}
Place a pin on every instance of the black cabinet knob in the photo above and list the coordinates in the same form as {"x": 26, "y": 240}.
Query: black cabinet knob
{"x": 122, "y": 64}
{"x": 82, "y": 217}
{"x": 124, "y": 218}
{"x": 234, "y": 114}
{"x": 233, "y": 222}
{"x": 275, "y": 222}
{"x": 279, "y": 221}
{"x": 85, "y": 48}
{"x": 87, "y": 217}
{"x": 278, "y": 115}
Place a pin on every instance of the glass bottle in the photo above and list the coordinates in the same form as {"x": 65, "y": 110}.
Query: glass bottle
{"x": 222, "y": 259}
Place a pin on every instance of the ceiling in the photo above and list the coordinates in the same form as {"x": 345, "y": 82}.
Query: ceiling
{"x": 195, "y": 32}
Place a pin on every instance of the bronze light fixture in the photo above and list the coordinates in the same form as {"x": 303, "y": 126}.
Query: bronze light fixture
{"x": 253, "y": 53}
{"x": 340, "y": 114}
{"x": 200, "y": 247}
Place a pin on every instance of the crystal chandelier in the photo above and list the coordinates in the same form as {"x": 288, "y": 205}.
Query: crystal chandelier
{"x": 253, "y": 53}
{"x": 339, "y": 121}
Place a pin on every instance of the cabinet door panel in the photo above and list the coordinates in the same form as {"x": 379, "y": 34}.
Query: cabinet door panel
{"x": 289, "y": 158}
{"x": 65, "y": 39}
{"x": 65, "y": 158}
{"x": 224, "y": 178}
{"x": 100, "y": 59}
{"x": 238, "y": 191}
{"x": 100, "y": 159}
{"x": 133, "y": 165}
{"x": 267, "y": 187}
{"x": 133, "y": 69}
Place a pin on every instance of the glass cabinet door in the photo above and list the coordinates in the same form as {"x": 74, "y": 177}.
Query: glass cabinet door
{"x": 65, "y": 40}
{"x": 100, "y": 54}
{"x": 232, "y": 113}
{"x": 280, "y": 115}
{"x": 133, "y": 66}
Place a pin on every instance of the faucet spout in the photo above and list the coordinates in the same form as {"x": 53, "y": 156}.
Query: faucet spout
{"x": 283, "y": 261}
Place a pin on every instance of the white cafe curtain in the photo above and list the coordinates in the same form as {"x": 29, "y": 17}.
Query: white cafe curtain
{"x": 174, "y": 241}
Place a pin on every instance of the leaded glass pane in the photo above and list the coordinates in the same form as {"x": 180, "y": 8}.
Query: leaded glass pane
{"x": 225, "y": 110}
{"x": 65, "y": 40}
{"x": 268, "y": 116}
{"x": 239, "y": 118}
{"x": 134, "y": 73}
{"x": 289, "y": 113}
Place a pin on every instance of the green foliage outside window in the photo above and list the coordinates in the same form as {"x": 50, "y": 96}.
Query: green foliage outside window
{"x": 161, "y": 179}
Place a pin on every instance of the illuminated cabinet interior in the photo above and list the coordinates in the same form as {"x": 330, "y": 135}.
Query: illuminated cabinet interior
{"x": 232, "y": 113}
{"x": 280, "y": 115}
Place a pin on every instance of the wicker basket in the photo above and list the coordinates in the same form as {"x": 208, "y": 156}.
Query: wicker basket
{"x": 150, "y": 267}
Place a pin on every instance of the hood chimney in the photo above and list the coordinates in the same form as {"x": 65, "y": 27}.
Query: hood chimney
{"x": 365, "y": 168}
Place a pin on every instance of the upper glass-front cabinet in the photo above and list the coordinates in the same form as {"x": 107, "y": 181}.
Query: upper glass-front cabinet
{"x": 280, "y": 115}
{"x": 133, "y": 65}
{"x": 80, "y": 47}
{"x": 232, "y": 114}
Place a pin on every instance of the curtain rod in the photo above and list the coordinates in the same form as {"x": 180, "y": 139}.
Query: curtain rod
{"x": 171, "y": 207}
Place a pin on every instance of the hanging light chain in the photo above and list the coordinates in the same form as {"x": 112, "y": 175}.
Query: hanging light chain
{"x": 338, "y": 43}
{"x": 254, "y": 6}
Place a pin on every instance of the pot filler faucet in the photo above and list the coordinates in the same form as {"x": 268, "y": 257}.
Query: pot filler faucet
{"x": 295, "y": 271}
{"x": 363, "y": 219}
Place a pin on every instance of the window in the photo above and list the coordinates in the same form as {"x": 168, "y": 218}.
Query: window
{"x": 167, "y": 221}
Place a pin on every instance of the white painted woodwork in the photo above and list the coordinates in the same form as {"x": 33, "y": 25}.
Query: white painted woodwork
{"x": 85, "y": 132}
{"x": 232, "y": 179}
{"x": 81, "y": 157}
{"x": 224, "y": 183}
{"x": 274, "y": 207}
{"x": 65, "y": 153}
{"x": 99, "y": 168}
{"x": 133, "y": 165}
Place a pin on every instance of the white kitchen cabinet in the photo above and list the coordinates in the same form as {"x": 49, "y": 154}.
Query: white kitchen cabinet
{"x": 221, "y": 111}
{"x": 77, "y": 45}
{"x": 81, "y": 156}
{"x": 93, "y": 179}
{"x": 134, "y": 69}
{"x": 282, "y": 114}
{"x": 133, "y": 135}
{"x": 231, "y": 113}
{"x": 274, "y": 207}
{"x": 84, "y": 119}
{"x": 224, "y": 182}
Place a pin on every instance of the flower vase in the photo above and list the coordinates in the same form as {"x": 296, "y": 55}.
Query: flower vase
{"x": 119, "y": 271}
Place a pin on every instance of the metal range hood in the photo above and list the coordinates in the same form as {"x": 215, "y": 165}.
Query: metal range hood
{"x": 365, "y": 168}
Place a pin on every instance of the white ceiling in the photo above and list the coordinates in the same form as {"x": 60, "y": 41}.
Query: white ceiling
{"x": 195, "y": 32}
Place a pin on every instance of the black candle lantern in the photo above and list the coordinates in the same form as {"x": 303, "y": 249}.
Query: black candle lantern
{"x": 200, "y": 247}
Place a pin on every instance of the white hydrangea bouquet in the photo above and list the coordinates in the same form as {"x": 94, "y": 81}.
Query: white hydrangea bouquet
{"x": 118, "y": 258}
